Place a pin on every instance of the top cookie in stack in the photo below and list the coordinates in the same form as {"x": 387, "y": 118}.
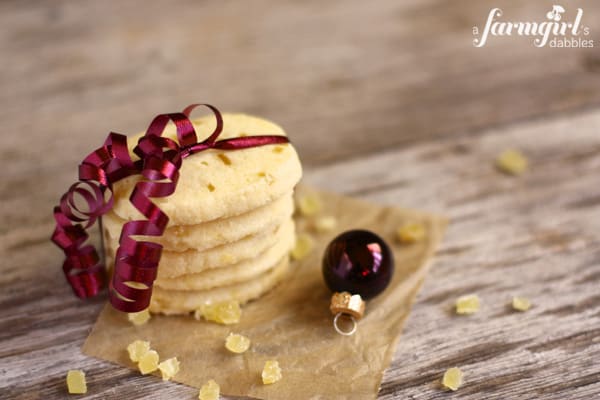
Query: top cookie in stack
{"x": 230, "y": 219}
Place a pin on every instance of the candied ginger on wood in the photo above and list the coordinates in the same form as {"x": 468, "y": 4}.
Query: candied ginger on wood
{"x": 453, "y": 378}
{"x": 237, "y": 343}
{"x": 76, "y": 382}
{"x": 271, "y": 372}
{"x": 468, "y": 304}
{"x": 512, "y": 162}
{"x": 521, "y": 303}
{"x": 209, "y": 391}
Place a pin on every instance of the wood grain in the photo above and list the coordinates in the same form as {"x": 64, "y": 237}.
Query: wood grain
{"x": 388, "y": 103}
{"x": 376, "y": 76}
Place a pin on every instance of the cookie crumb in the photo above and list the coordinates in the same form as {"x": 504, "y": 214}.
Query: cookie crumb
{"x": 271, "y": 372}
{"x": 139, "y": 318}
{"x": 237, "y": 343}
{"x": 304, "y": 245}
{"x": 468, "y": 304}
{"x": 521, "y": 303}
{"x": 76, "y": 383}
{"x": 209, "y": 391}
{"x": 512, "y": 162}
{"x": 453, "y": 379}
{"x": 226, "y": 313}
{"x": 169, "y": 368}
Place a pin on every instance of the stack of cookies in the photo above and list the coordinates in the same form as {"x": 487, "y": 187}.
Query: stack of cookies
{"x": 230, "y": 220}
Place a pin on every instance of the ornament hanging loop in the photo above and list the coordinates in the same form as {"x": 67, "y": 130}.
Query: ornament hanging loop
{"x": 341, "y": 331}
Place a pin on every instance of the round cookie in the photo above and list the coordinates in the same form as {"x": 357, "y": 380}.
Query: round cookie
{"x": 246, "y": 252}
{"x": 220, "y": 183}
{"x": 240, "y": 272}
{"x": 214, "y": 233}
{"x": 171, "y": 302}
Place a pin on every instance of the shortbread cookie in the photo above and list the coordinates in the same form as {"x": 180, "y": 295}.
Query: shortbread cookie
{"x": 222, "y": 183}
{"x": 171, "y": 302}
{"x": 245, "y": 253}
{"x": 240, "y": 272}
{"x": 214, "y": 233}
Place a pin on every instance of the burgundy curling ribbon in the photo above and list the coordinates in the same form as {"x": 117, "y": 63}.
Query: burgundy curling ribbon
{"x": 160, "y": 159}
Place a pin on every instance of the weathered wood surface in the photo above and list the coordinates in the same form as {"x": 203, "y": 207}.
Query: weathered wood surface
{"x": 346, "y": 79}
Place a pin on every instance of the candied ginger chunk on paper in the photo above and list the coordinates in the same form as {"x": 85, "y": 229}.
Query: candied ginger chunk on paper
{"x": 271, "y": 372}
{"x": 139, "y": 318}
{"x": 309, "y": 204}
{"x": 304, "y": 245}
{"x": 169, "y": 368}
{"x": 237, "y": 343}
{"x": 226, "y": 313}
{"x": 148, "y": 362}
{"x": 137, "y": 349}
{"x": 411, "y": 232}
{"x": 209, "y": 391}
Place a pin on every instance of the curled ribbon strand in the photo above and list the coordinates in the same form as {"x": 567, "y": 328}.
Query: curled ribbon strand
{"x": 160, "y": 158}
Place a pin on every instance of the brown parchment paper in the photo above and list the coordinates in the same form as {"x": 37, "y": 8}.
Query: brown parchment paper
{"x": 292, "y": 323}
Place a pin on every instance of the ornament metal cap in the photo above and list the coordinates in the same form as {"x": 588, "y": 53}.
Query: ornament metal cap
{"x": 344, "y": 304}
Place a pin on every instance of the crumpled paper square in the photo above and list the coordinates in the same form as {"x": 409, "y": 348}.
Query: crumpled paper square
{"x": 292, "y": 323}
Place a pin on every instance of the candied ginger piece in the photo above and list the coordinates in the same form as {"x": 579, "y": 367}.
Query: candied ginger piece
{"x": 148, "y": 362}
{"x": 271, "y": 372}
{"x": 76, "y": 382}
{"x": 521, "y": 303}
{"x": 411, "y": 232}
{"x": 304, "y": 245}
{"x": 209, "y": 391}
{"x": 309, "y": 204}
{"x": 169, "y": 368}
{"x": 139, "y": 318}
{"x": 226, "y": 313}
{"x": 453, "y": 379}
{"x": 325, "y": 224}
{"x": 468, "y": 304}
{"x": 512, "y": 162}
{"x": 137, "y": 349}
{"x": 237, "y": 343}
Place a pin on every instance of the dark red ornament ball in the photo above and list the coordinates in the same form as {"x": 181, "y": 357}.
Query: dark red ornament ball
{"x": 359, "y": 262}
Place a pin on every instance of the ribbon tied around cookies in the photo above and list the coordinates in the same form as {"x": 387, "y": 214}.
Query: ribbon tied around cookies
{"x": 160, "y": 158}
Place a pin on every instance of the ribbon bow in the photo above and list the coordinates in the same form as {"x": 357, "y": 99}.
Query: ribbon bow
{"x": 160, "y": 159}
